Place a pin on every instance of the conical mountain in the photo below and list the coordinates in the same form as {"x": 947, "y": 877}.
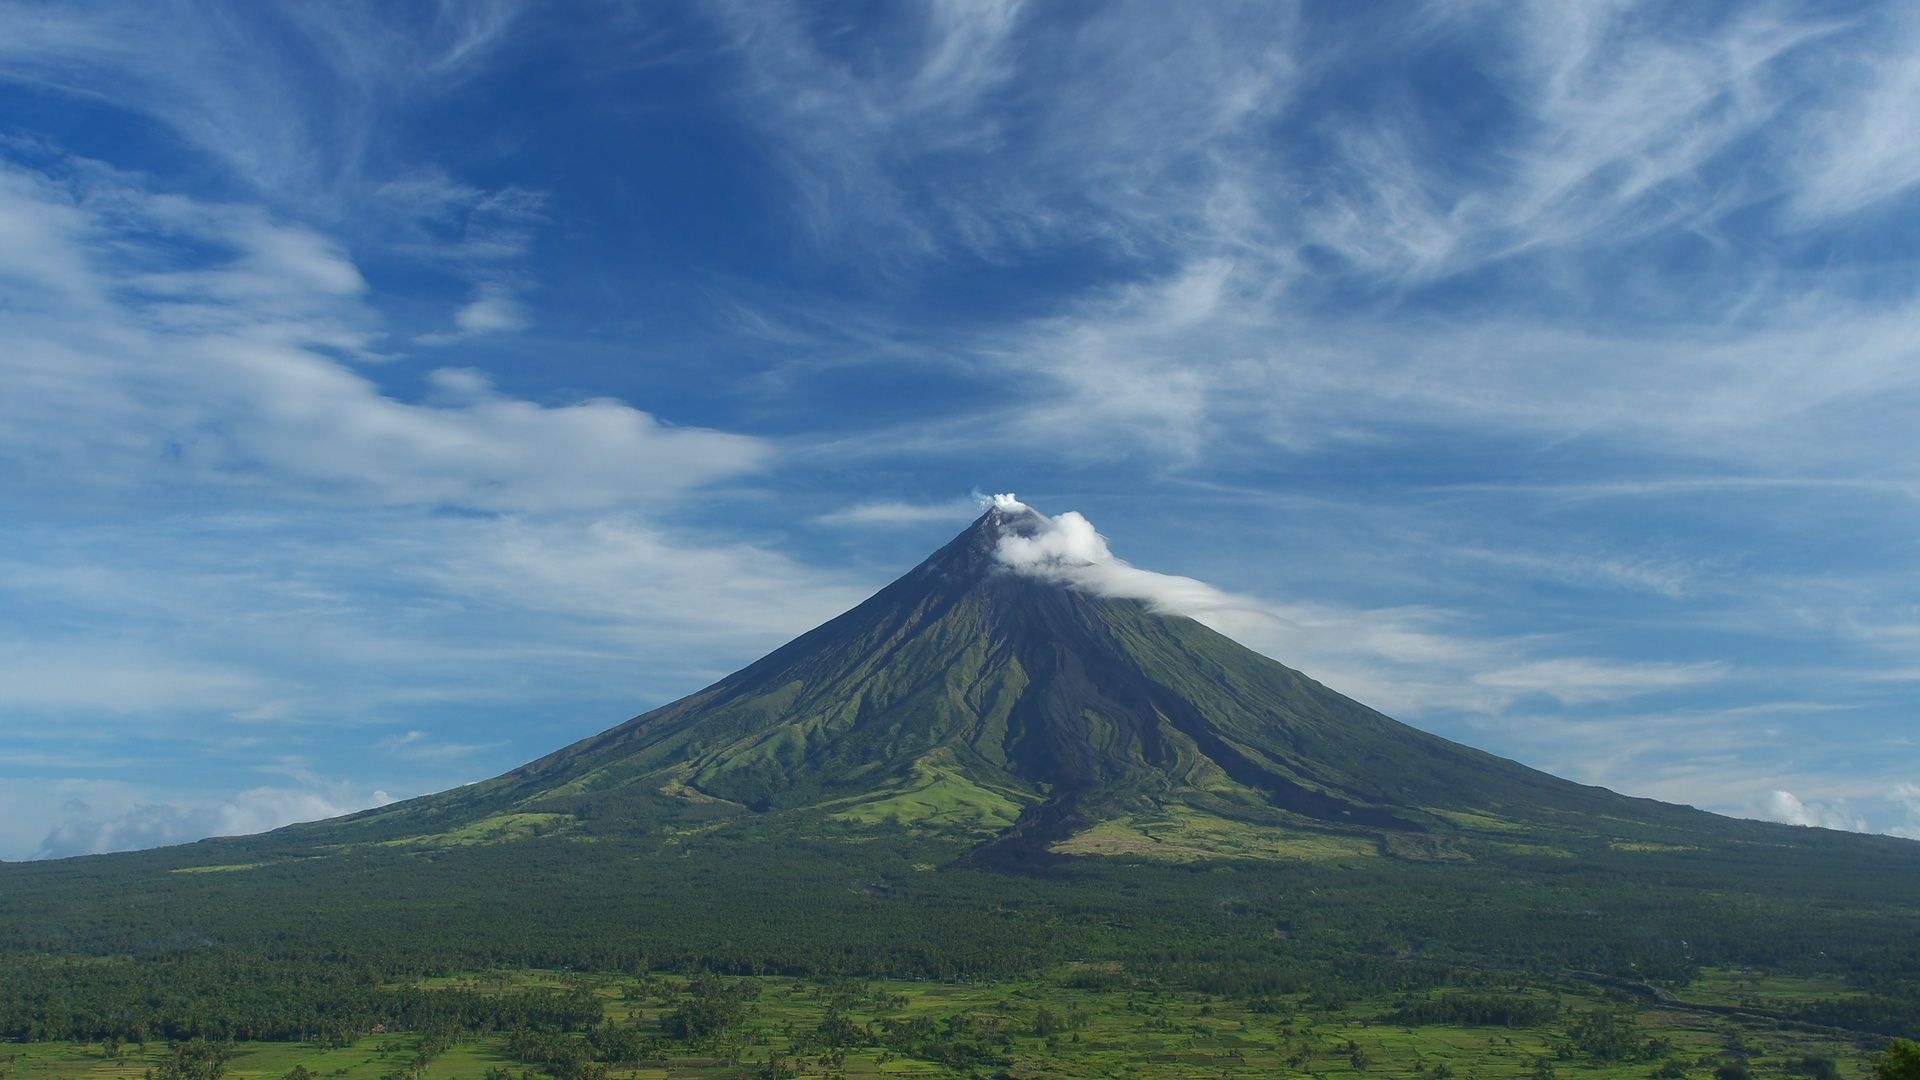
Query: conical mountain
{"x": 989, "y": 768}
{"x": 1031, "y": 716}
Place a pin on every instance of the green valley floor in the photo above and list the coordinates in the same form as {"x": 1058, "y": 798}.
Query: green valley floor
{"x": 1077, "y": 1021}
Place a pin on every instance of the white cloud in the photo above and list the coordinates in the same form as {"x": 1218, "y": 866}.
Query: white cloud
{"x": 297, "y": 107}
{"x": 202, "y": 368}
{"x": 285, "y": 99}
{"x": 1908, "y": 796}
{"x": 227, "y": 369}
{"x": 832, "y": 122}
{"x": 640, "y": 583}
{"x": 252, "y": 621}
{"x": 1859, "y": 155}
{"x": 317, "y": 422}
{"x": 96, "y": 817}
{"x": 1121, "y": 371}
{"x": 122, "y": 678}
{"x": 1787, "y": 808}
{"x": 1239, "y": 211}
{"x": 901, "y": 513}
{"x": 920, "y": 153}
{"x": 1207, "y": 366}
{"x": 1577, "y": 681}
{"x": 493, "y": 310}
{"x": 1625, "y": 117}
{"x": 420, "y": 746}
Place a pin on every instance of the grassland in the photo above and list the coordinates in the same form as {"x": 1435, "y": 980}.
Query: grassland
{"x": 497, "y": 829}
{"x": 1077, "y": 1021}
{"x": 937, "y": 798}
{"x": 1181, "y": 835}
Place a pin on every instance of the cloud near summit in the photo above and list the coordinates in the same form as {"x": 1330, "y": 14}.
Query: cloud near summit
{"x": 1067, "y": 549}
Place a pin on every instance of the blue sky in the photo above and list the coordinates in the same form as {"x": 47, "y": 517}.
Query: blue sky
{"x": 392, "y": 393}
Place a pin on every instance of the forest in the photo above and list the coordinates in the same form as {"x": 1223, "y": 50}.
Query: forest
{"x": 564, "y": 956}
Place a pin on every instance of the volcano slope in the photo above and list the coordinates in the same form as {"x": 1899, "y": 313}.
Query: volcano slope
{"x": 981, "y": 770}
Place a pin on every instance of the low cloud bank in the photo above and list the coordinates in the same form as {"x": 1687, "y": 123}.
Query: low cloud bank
{"x": 1788, "y": 809}
{"x": 155, "y": 824}
{"x": 1909, "y": 796}
{"x": 1842, "y": 813}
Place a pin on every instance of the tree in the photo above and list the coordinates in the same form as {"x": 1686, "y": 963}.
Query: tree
{"x": 1045, "y": 1022}
{"x": 195, "y": 1059}
{"x": 1818, "y": 1068}
{"x": 1899, "y": 1061}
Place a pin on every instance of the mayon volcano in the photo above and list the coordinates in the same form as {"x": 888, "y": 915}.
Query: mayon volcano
{"x": 1009, "y": 763}
{"x": 997, "y": 692}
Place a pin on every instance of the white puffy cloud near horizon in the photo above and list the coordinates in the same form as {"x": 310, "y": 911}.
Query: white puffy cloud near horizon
{"x": 96, "y": 818}
{"x": 1787, "y": 808}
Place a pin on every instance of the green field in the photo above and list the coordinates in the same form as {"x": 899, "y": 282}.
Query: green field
{"x": 1078, "y": 1021}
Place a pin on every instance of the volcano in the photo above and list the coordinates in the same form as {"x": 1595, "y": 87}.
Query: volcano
{"x": 994, "y": 767}
{"x": 1036, "y": 720}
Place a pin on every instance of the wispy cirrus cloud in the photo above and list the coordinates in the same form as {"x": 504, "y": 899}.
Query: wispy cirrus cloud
{"x": 901, "y": 513}
{"x": 1285, "y": 288}
{"x": 287, "y": 100}
{"x": 950, "y": 144}
{"x": 416, "y": 745}
{"x": 1618, "y": 120}
{"x": 1858, "y": 157}
{"x": 297, "y": 109}
{"x": 841, "y": 126}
